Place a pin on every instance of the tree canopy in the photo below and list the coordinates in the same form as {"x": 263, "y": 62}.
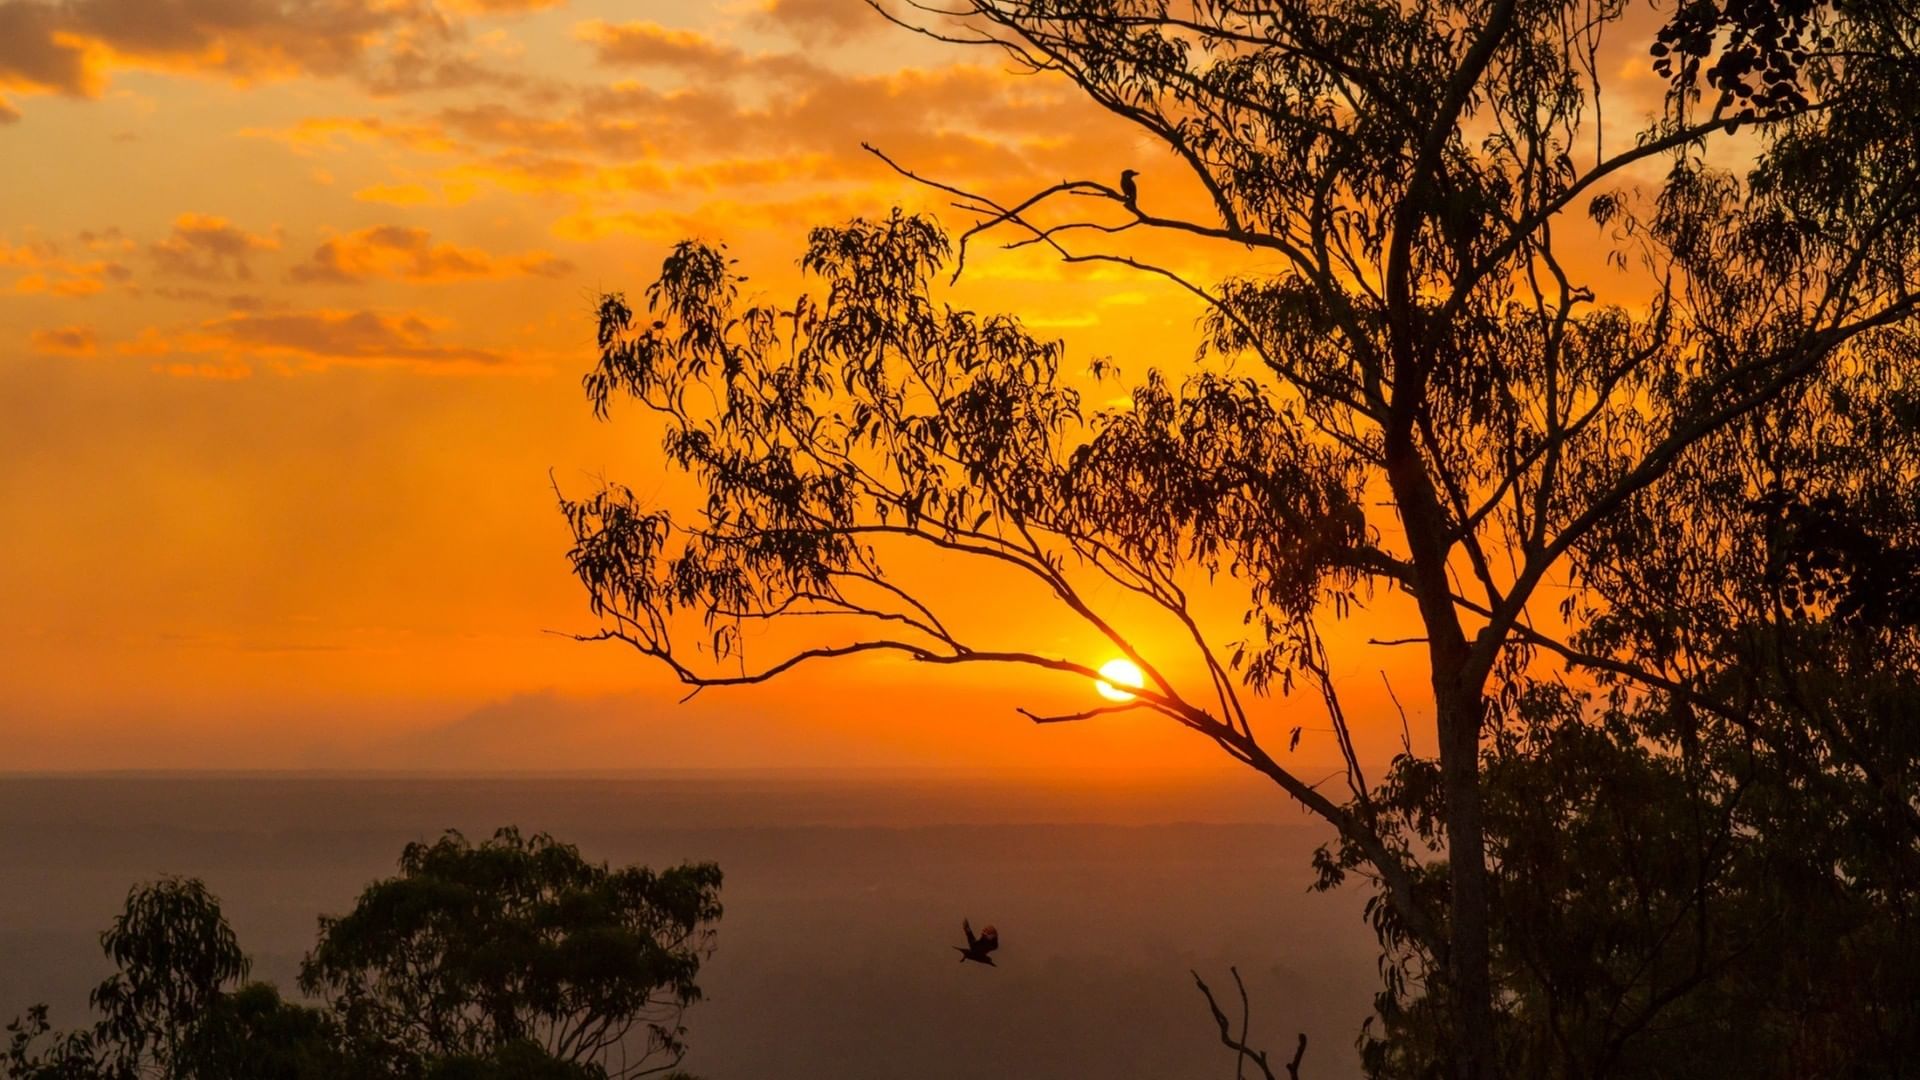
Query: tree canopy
{"x": 517, "y": 939}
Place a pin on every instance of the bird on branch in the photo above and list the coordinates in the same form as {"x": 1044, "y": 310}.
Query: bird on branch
{"x": 978, "y": 947}
{"x": 1129, "y": 191}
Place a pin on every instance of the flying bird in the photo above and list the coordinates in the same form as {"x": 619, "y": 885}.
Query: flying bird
{"x": 978, "y": 947}
{"x": 1129, "y": 191}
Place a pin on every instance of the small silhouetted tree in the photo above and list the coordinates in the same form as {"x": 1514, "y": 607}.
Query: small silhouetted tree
{"x": 36, "y": 1052}
{"x": 177, "y": 965}
{"x": 476, "y": 949}
{"x": 1413, "y": 174}
{"x": 176, "y": 955}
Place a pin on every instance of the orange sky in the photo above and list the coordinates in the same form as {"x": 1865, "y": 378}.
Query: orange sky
{"x": 294, "y": 301}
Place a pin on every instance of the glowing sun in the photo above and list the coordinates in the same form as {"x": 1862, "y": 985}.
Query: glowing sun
{"x": 1117, "y": 673}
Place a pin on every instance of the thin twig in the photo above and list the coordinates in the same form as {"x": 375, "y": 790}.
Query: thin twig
{"x": 1243, "y": 1052}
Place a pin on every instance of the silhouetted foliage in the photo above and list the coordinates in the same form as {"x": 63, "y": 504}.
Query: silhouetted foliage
{"x": 1711, "y": 869}
{"x": 175, "y": 957}
{"x": 65, "y": 1055}
{"x": 1419, "y": 337}
{"x": 473, "y": 948}
{"x": 1759, "y": 49}
{"x": 512, "y": 960}
{"x": 175, "y": 954}
{"x": 252, "y": 1032}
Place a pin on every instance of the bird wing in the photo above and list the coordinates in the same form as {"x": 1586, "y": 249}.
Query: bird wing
{"x": 967, "y": 928}
{"x": 989, "y": 940}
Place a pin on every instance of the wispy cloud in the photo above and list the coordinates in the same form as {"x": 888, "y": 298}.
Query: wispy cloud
{"x": 65, "y": 341}
{"x": 203, "y": 247}
{"x": 404, "y": 253}
{"x": 73, "y": 47}
{"x": 314, "y": 340}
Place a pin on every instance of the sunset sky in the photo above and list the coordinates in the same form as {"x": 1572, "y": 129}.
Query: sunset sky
{"x": 294, "y": 302}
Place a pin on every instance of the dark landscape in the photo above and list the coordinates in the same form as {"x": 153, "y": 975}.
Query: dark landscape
{"x": 843, "y": 897}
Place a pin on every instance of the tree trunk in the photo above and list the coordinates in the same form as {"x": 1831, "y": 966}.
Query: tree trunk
{"x": 1469, "y": 973}
{"x": 1458, "y": 710}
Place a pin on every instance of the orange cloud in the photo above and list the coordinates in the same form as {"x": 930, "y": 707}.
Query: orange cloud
{"x": 400, "y": 253}
{"x": 72, "y": 47}
{"x": 700, "y": 58}
{"x": 208, "y": 248}
{"x": 223, "y": 371}
{"x": 64, "y": 341}
{"x": 817, "y": 21}
{"x": 32, "y": 253}
{"x": 314, "y": 340}
{"x": 652, "y": 44}
{"x": 740, "y": 120}
{"x": 632, "y": 138}
{"x": 195, "y": 295}
{"x": 50, "y": 274}
{"x": 32, "y": 57}
{"x": 403, "y": 195}
{"x": 45, "y": 285}
{"x": 325, "y": 132}
{"x": 501, "y": 7}
{"x": 109, "y": 239}
{"x": 715, "y": 219}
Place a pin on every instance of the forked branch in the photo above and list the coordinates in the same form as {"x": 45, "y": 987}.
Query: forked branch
{"x": 1244, "y": 1052}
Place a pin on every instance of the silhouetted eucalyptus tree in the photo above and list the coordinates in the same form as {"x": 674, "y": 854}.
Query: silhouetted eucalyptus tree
{"x": 174, "y": 1009}
{"x": 518, "y": 940}
{"x": 175, "y": 954}
{"x": 1415, "y": 170}
{"x": 175, "y": 959}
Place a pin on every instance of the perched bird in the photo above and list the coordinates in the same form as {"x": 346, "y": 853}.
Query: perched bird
{"x": 1129, "y": 191}
{"x": 978, "y": 947}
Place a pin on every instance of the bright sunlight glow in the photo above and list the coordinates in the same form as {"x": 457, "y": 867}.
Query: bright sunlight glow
{"x": 1116, "y": 673}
